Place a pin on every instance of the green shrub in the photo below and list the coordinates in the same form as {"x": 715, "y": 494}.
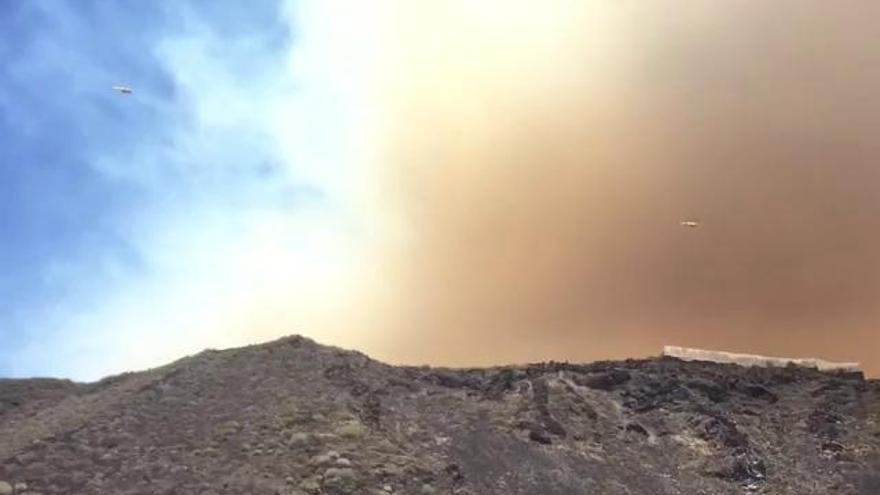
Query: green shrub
{"x": 351, "y": 429}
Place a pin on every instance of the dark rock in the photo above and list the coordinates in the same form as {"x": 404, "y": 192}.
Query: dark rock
{"x": 296, "y": 417}
{"x": 453, "y": 471}
{"x": 502, "y": 382}
{"x": 724, "y": 431}
{"x": 553, "y": 426}
{"x": 759, "y": 392}
{"x": 608, "y": 380}
{"x": 540, "y": 437}
{"x": 824, "y": 423}
{"x": 637, "y": 428}
{"x": 713, "y": 391}
{"x": 832, "y": 447}
{"x": 743, "y": 469}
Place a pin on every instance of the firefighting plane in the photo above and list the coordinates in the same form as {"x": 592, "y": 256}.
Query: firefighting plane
{"x": 691, "y": 224}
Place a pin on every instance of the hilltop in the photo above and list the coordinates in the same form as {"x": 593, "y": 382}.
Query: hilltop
{"x": 295, "y": 417}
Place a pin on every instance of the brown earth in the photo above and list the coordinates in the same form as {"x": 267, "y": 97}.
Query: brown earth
{"x": 295, "y": 417}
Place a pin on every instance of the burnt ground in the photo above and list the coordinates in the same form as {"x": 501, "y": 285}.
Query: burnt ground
{"x": 295, "y": 417}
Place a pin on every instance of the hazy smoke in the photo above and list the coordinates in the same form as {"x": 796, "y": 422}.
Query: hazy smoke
{"x": 540, "y": 160}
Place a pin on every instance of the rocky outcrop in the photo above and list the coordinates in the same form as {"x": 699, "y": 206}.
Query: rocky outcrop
{"x": 294, "y": 417}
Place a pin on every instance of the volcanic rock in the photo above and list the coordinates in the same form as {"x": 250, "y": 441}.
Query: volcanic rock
{"x": 294, "y": 417}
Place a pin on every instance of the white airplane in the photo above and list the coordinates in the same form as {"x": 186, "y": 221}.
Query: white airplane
{"x": 692, "y": 224}
{"x": 124, "y": 89}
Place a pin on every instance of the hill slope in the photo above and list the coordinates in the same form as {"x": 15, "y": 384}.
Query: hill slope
{"x": 295, "y": 417}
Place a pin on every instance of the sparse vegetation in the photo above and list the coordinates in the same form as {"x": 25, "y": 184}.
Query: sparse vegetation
{"x": 351, "y": 429}
{"x": 296, "y": 418}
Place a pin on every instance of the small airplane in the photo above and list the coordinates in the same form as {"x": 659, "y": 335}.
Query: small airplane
{"x": 691, "y": 224}
{"x": 124, "y": 89}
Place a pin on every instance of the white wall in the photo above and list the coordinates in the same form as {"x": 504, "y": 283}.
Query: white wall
{"x": 688, "y": 354}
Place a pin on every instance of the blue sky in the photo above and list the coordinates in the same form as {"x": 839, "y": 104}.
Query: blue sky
{"x": 457, "y": 182}
{"x": 117, "y": 211}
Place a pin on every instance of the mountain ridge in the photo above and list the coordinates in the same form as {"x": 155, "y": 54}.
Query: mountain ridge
{"x": 295, "y": 417}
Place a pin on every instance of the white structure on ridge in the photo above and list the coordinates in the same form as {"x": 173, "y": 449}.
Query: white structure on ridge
{"x": 688, "y": 354}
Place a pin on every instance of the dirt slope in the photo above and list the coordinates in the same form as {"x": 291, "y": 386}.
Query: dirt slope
{"x": 295, "y": 417}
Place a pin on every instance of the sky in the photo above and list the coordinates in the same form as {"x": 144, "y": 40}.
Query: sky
{"x": 452, "y": 182}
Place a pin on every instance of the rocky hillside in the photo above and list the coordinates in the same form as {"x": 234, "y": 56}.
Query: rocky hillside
{"x": 295, "y": 417}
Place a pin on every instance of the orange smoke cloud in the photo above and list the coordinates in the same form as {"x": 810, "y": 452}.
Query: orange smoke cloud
{"x": 538, "y": 159}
